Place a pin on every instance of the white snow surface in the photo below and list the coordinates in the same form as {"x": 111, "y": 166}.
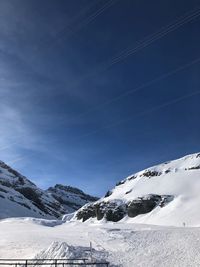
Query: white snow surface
{"x": 122, "y": 244}
{"x": 62, "y": 250}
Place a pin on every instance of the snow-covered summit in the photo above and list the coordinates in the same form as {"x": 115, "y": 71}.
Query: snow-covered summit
{"x": 164, "y": 194}
{"x": 169, "y": 177}
{"x": 70, "y": 197}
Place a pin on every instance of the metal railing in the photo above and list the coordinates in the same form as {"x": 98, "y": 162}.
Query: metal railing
{"x": 52, "y": 262}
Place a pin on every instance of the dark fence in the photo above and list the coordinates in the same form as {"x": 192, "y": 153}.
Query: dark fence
{"x": 51, "y": 263}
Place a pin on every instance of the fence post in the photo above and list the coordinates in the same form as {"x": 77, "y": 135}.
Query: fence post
{"x": 26, "y": 263}
{"x": 55, "y": 263}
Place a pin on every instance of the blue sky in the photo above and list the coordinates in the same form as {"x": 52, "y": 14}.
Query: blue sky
{"x": 61, "y": 120}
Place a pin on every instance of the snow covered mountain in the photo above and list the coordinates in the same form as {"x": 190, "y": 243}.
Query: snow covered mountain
{"x": 71, "y": 198}
{"x": 19, "y": 197}
{"x": 166, "y": 194}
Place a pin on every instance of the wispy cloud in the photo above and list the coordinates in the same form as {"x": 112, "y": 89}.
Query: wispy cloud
{"x": 15, "y": 133}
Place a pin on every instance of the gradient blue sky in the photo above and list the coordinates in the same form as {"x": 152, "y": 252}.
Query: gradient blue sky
{"x": 54, "y": 125}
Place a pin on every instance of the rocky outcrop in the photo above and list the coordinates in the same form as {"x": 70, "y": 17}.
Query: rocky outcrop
{"x": 111, "y": 211}
{"x": 86, "y": 212}
{"x": 194, "y": 168}
{"x": 146, "y": 204}
{"x": 116, "y": 210}
{"x": 149, "y": 173}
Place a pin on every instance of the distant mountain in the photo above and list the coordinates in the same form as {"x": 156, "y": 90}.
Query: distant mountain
{"x": 70, "y": 198}
{"x": 19, "y": 197}
{"x": 164, "y": 194}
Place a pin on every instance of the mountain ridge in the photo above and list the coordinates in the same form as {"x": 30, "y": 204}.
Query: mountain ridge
{"x": 166, "y": 194}
{"x": 19, "y": 197}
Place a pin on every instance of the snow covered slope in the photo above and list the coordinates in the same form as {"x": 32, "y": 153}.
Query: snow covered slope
{"x": 166, "y": 194}
{"x": 71, "y": 198}
{"x": 122, "y": 244}
{"x": 19, "y": 197}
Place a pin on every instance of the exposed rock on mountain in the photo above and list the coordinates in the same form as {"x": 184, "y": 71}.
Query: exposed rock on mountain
{"x": 20, "y": 197}
{"x": 69, "y": 197}
{"x": 161, "y": 194}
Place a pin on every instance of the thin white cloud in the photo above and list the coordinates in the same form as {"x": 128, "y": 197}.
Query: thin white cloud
{"x": 14, "y": 133}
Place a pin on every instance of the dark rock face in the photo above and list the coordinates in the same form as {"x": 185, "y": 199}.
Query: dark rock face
{"x": 165, "y": 199}
{"x": 88, "y": 211}
{"x": 74, "y": 190}
{"x": 109, "y": 193}
{"x": 147, "y": 203}
{"x": 32, "y": 195}
{"x": 128, "y": 192}
{"x": 194, "y": 168}
{"x": 149, "y": 173}
{"x": 116, "y": 210}
{"x": 142, "y": 205}
{"x": 132, "y": 177}
{"x": 121, "y": 182}
{"x": 109, "y": 210}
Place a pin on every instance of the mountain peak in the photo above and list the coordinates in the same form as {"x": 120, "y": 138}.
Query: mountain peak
{"x": 71, "y": 198}
{"x": 66, "y": 188}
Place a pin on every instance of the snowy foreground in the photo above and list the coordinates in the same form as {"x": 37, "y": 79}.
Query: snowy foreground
{"x": 150, "y": 209}
{"x": 122, "y": 244}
